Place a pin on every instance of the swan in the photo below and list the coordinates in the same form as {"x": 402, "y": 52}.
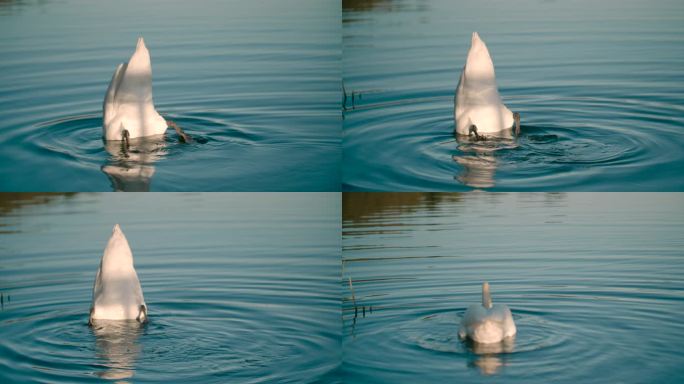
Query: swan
{"x": 116, "y": 293}
{"x": 487, "y": 323}
{"x": 478, "y": 108}
{"x": 128, "y": 110}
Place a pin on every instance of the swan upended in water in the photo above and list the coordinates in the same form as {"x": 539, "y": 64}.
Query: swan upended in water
{"x": 117, "y": 294}
{"x": 478, "y": 108}
{"x": 128, "y": 110}
{"x": 487, "y": 322}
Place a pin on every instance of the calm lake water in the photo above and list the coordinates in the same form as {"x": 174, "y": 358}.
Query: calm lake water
{"x": 240, "y": 288}
{"x": 595, "y": 283}
{"x": 599, "y": 85}
{"x": 256, "y": 83}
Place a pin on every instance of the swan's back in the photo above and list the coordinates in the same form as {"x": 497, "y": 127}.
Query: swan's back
{"x": 487, "y": 322}
{"x": 128, "y": 102}
{"x": 477, "y": 97}
{"x": 117, "y": 294}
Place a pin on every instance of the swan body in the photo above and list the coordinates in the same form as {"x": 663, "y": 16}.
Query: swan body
{"x": 128, "y": 104}
{"x": 117, "y": 294}
{"x": 478, "y": 103}
{"x": 487, "y": 323}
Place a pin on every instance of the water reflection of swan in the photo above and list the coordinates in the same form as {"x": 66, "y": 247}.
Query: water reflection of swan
{"x": 116, "y": 342}
{"x": 478, "y": 107}
{"x": 130, "y": 168}
{"x": 488, "y": 356}
{"x": 478, "y": 169}
{"x": 479, "y": 161}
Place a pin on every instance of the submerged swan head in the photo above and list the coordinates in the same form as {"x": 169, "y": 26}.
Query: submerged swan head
{"x": 487, "y": 322}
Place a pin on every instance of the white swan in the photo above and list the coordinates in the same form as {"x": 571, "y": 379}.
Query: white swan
{"x": 478, "y": 108}
{"x": 487, "y": 323}
{"x": 128, "y": 105}
{"x": 116, "y": 293}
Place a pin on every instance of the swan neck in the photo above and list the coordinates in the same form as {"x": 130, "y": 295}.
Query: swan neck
{"x": 486, "y": 297}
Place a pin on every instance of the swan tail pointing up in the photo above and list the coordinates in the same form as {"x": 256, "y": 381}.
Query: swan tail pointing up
{"x": 486, "y": 297}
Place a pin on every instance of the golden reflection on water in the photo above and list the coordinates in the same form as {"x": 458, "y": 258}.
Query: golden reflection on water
{"x": 359, "y": 206}
{"x": 384, "y": 6}
{"x": 11, "y": 201}
{"x": 367, "y": 5}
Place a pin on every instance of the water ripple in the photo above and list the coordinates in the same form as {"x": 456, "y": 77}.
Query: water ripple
{"x": 410, "y": 141}
{"x": 591, "y": 279}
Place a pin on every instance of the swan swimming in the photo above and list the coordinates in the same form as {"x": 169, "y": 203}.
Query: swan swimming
{"x": 128, "y": 110}
{"x": 478, "y": 108}
{"x": 116, "y": 293}
{"x": 487, "y": 323}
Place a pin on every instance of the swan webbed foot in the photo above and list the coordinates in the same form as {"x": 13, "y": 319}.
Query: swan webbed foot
{"x": 125, "y": 137}
{"x": 142, "y": 314}
{"x": 473, "y": 130}
{"x": 516, "y": 117}
{"x": 125, "y": 141}
{"x": 182, "y": 136}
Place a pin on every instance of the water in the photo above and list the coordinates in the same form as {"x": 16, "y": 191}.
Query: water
{"x": 599, "y": 86}
{"x": 595, "y": 283}
{"x": 256, "y": 83}
{"x": 240, "y": 288}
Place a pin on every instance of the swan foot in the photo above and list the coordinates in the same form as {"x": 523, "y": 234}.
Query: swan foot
{"x": 142, "y": 314}
{"x": 125, "y": 142}
{"x": 182, "y": 136}
{"x": 473, "y": 130}
{"x": 516, "y": 117}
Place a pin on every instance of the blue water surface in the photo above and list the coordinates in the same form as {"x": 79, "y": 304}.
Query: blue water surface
{"x": 256, "y": 83}
{"x": 599, "y": 85}
{"x": 595, "y": 283}
{"x": 241, "y": 288}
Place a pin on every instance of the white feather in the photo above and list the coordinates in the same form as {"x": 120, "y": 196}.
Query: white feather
{"x": 117, "y": 294}
{"x": 487, "y": 322}
{"x": 477, "y": 96}
{"x": 128, "y": 102}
